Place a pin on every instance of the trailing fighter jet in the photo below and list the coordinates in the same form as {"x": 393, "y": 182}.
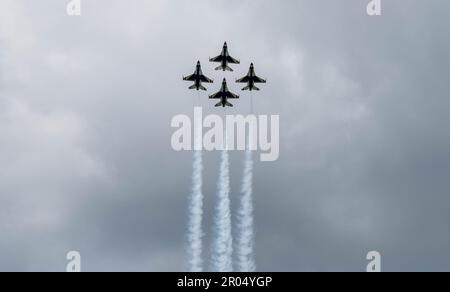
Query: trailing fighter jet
{"x": 198, "y": 78}
{"x": 224, "y": 59}
{"x": 224, "y": 94}
{"x": 251, "y": 79}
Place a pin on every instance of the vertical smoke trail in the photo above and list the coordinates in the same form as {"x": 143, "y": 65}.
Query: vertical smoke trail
{"x": 195, "y": 233}
{"x": 245, "y": 240}
{"x": 222, "y": 253}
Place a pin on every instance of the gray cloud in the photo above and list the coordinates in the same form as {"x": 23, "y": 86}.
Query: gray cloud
{"x": 85, "y": 110}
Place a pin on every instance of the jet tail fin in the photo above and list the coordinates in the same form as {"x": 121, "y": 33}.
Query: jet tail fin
{"x": 227, "y": 68}
{"x": 226, "y": 104}
{"x": 203, "y": 88}
{"x": 253, "y": 88}
{"x": 193, "y": 87}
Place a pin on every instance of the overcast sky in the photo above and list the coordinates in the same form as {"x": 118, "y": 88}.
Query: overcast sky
{"x": 85, "y": 110}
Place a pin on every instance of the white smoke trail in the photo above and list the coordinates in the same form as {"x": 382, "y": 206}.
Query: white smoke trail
{"x": 195, "y": 232}
{"x": 222, "y": 252}
{"x": 245, "y": 240}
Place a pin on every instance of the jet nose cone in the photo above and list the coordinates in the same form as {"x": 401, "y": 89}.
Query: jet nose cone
{"x": 224, "y": 80}
{"x": 251, "y": 65}
{"x": 225, "y": 44}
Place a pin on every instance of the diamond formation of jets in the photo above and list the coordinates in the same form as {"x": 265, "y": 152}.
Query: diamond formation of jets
{"x": 251, "y": 79}
{"x": 224, "y": 59}
{"x": 224, "y": 94}
{"x": 198, "y": 78}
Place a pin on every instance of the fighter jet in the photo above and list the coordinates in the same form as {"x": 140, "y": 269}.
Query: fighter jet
{"x": 251, "y": 79}
{"x": 224, "y": 59}
{"x": 198, "y": 78}
{"x": 224, "y": 94}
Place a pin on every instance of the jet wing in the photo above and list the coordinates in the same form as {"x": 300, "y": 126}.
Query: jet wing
{"x": 259, "y": 80}
{"x": 205, "y": 79}
{"x": 243, "y": 80}
{"x": 231, "y": 95}
{"x": 190, "y": 78}
{"x": 232, "y": 60}
{"x": 215, "y": 96}
{"x": 216, "y": 59}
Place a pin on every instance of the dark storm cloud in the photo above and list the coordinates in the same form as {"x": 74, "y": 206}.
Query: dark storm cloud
{"x": 86, "y": 108}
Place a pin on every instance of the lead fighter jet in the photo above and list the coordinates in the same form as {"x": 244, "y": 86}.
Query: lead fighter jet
{"x": 224, "y": 94}
{"x": 224, "y": 59}
{"x": 198, "y": 78}
{"x": 251, "y": 79}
